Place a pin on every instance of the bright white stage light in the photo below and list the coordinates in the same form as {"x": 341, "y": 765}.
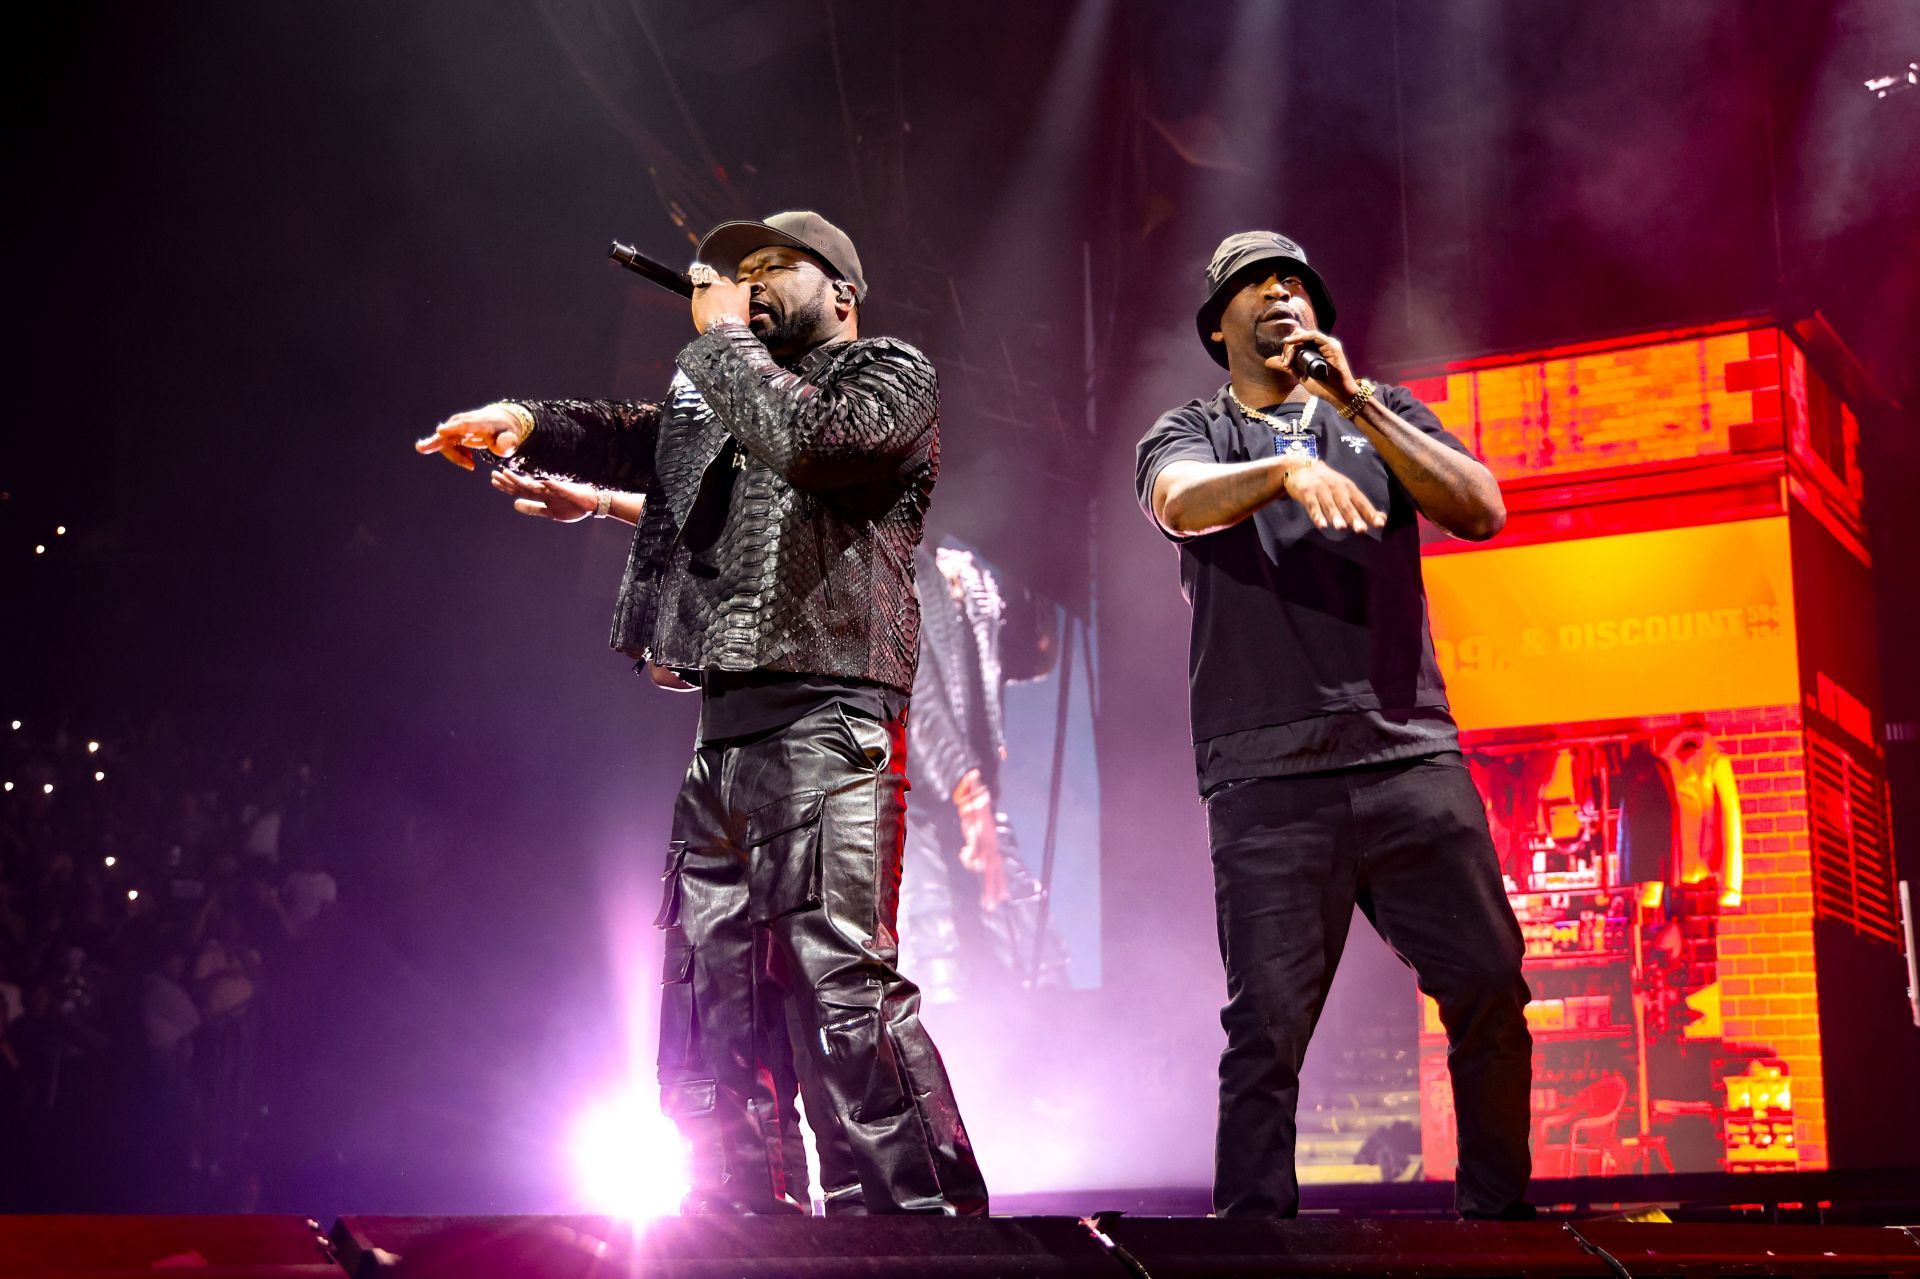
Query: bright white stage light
{"x": 1881, "y": 85}
{"x": 111, "y": 861}
{"x": 99, "y": 777}
{"x": 9, "y": 787}
{"x": 93, "y": 748}
{"x": 60, "y": 531}
{"x": 627, "y": 1158}
{"x": 16, "y": 726}
{"x": 47, "y": 789}
{"x": 133, "y": 894}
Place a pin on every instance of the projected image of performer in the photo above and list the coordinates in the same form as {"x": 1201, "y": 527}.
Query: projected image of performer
{"x": 779, "y": 492}
{"x": 971, "y": 917}
{"x": 1327, "y": 759}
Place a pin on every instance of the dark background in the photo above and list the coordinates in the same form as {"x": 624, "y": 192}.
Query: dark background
{"x": 255, "y": 249}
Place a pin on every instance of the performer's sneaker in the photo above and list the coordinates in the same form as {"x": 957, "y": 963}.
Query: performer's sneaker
{"x": 847, "y": 1201}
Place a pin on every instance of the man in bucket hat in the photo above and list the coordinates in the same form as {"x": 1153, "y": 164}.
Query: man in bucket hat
{"x": 779, "y": 492}
{"x": 1329, "y": 765}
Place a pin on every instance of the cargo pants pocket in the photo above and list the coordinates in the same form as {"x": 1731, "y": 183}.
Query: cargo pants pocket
{"x": 783, "y": 851}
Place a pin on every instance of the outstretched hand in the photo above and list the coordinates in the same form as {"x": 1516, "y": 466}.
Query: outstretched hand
{"x": 493, "y": 428}
{"x": 563, "y": 501}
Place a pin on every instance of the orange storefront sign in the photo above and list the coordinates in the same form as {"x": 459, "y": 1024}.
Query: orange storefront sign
{"x": 1657, "y": 623}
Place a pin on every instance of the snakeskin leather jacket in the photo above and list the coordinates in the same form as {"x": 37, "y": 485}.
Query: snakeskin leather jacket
{"x": 783, "y": 505}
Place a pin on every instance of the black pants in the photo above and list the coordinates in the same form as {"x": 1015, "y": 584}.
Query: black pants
{"x": 1407, "y": 842}
{"x": 782, "y": 884}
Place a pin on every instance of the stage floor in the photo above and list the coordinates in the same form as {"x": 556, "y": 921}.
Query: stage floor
{"x": 1113, "y": 1243}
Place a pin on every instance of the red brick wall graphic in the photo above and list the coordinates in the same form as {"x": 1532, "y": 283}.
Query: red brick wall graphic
{"x": 1767, "y": 997}
{"x": 1707, "y": 472}
{"x": 1659, "y": 402}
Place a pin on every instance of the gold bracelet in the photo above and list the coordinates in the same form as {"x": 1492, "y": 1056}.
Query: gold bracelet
{"x": 1359, "y": 401}
{"x": 522, "y": 417}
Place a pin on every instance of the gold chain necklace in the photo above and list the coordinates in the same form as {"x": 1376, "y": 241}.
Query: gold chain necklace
{"x": 1303, "y": 425}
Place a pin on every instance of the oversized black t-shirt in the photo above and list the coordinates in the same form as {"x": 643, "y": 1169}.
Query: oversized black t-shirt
{"x": 1310, "y": 647}
{"x": 742, "y": 704}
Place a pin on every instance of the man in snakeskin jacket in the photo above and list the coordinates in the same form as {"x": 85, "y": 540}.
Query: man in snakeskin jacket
{"x": 971, "y": 917}
{"x": 781, "y": 491}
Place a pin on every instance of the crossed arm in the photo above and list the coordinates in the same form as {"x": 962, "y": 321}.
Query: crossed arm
{"x": 1457, "y": 492}
{"x": 1454, "y": 490}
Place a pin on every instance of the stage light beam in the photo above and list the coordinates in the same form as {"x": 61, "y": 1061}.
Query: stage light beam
{"x": 1898, "y": 82}
{"x": 628, "y": 1159}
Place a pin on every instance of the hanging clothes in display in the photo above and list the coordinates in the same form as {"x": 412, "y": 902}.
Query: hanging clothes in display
{"x": 1707, "y": 836}
{"x": 1561, "y": 798}
{"x": 1646, "y": 831}
{"x": 1510, "y": 785}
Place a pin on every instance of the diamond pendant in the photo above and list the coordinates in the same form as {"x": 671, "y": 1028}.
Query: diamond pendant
{"x": 1300, "y": 446}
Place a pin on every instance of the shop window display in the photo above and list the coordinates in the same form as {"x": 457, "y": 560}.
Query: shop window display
{"x": 1668, "y": 696}
{"x": 1620, "y": 850}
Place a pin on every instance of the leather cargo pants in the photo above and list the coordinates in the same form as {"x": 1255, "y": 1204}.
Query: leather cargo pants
{"x": 782, "y": 884}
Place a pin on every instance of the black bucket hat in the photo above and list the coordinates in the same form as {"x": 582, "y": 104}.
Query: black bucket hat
{"x": 724, "y": 247}
{"x": 1251, "y": 248}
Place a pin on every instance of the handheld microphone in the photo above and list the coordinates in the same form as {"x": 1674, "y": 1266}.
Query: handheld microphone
{"x": 658, "y": 272}
{"x": 1311, "y": 366}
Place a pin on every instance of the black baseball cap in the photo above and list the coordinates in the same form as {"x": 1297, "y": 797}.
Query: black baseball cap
{"x": 724, "y": 247}
{"x": 1254, "y": 248}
